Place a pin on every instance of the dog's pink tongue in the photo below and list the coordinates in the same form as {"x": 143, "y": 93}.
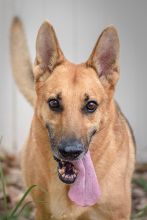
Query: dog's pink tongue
{"x": 85, "y": 190}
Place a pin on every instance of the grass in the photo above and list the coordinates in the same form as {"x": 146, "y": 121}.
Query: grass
{"x": 20, "y": 209}
{"x": 17, "y": 211}
{"x": 141, "y": 214}
{"x": 142, "y": 183}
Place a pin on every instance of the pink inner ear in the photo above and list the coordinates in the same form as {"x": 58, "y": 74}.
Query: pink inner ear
{"x": 106, "y": 59}
{"x": 46, "y": 47}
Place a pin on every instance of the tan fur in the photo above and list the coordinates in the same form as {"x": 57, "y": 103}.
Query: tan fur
{"x": 111, "y": 148}
{"x": 21, "y": 64}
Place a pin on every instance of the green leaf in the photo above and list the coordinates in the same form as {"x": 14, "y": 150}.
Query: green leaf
{"x": 141, "y": 213}
{"x": 141, "y": 182}
{"x": 22, "y": 209}
{"x": 14, "y": 211}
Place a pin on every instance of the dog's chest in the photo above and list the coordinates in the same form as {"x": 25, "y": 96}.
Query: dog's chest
{"x": 60, "y": 205}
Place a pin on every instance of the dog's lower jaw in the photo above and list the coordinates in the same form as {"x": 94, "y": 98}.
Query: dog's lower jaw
{"x": 66, "y": 171}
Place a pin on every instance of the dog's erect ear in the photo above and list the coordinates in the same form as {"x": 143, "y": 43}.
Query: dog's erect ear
{"x": 104, "y": 58}
{"x": 48, "y": 52}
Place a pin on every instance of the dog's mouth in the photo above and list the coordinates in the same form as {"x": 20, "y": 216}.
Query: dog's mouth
{"x": 80, "y": 174}
{"x": 66, "y": 171}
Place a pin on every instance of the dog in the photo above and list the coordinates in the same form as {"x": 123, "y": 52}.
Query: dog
{"x": 80, "y": 147}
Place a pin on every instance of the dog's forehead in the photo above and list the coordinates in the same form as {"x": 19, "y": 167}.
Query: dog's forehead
{"x": 74, "y": 76}
{"x": 76, "y": 80}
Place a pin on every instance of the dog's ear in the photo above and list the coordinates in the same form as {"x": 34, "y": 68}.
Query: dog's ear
{"x": 104, "y": 58}
{"x": 48, "y": 52}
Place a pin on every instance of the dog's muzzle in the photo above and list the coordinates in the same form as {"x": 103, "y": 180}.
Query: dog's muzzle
{"x": 68, "y": 151}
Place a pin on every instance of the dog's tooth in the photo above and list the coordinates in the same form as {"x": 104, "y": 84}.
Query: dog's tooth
{"x": 74, "y": 175}
{"x": 63, "y": 175}
{"x": 75, "y": 171}
{"x": 66, "y": 176}
{"x": 62, "y": 162}
{"x": 61, "y": 171}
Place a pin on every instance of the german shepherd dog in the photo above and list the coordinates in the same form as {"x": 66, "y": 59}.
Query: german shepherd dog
{"x": 80, "y": 147}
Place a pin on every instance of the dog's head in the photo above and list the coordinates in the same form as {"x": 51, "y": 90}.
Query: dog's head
{"x": 74, "y": 101}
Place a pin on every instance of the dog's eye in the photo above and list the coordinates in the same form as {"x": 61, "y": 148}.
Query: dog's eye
{"x": 91, "y": 106}
{"x": 54, "y": 105}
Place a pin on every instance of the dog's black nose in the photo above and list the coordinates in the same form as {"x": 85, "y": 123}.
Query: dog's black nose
{"x": 73, "y": 154}
{"x": 70, "y": 149}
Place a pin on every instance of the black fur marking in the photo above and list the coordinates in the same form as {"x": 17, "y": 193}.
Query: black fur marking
{"x": 51, "y": 136}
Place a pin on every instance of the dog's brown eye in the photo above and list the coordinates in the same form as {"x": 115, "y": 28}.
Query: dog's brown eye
{"x": 91, "y": 106}
{"x": 54, "y": 105}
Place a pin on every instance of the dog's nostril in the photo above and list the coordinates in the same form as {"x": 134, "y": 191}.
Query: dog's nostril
{"x": 72, "y": 153}
{"x": 76, "y": 153}
{"x": 63, "y": 152}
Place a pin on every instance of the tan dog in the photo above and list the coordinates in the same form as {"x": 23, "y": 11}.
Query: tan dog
{"x": 76, "y": 127}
